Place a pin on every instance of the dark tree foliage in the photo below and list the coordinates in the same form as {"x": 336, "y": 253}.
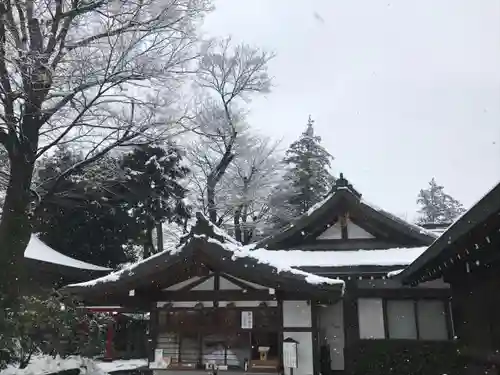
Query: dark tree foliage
{"x": 437, "y": 207}
{"x": 307, "y": 179}
{"x": 84, "y": 219}
{"x": 52, "y": 325}
{"x": 106, "y": 218}
{"x": 152, "y": 176}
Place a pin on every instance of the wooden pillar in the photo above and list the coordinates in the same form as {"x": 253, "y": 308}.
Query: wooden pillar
{"x": 351, "y": 320}
{"x": 315, "y": 337}
{"x": 153, "y": 331}
{"x": 109, "y": 339}
{"x": 280, "y": 334}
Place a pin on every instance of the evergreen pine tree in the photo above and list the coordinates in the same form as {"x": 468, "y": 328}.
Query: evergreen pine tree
{"x": 107, "y": 218}
{"x": 437, "y": 207}
{"x": 155, "y": 194}
{"x": 307, "y": 179}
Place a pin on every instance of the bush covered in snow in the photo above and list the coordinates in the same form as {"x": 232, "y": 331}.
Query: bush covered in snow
{"x": 43, "y": 325}
{"x": 45, "y": 364}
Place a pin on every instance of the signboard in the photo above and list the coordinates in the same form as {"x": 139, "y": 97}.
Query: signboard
{"x": 247, "y": 319}
{"x": 290, "y": 354}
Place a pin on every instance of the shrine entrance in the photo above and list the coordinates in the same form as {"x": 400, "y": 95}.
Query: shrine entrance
{"x": 232, "y": 338}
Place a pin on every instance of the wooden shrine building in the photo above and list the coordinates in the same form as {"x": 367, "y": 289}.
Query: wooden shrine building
{"x": 467, "y": 256}
{"x": 320, "y": 286}
{"x": 212, "y": 301}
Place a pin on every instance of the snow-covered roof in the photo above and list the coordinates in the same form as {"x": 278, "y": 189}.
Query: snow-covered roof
{"x": 37, "y": 250}
{"x": 341, "y": 258}
{"x": 416, "y": 228}
{"x": 321, "y": 215}
{"x": 430, "y": 264}
{"x": 204, "y": 236}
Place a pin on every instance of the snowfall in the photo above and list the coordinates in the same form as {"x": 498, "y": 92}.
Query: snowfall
{"x": 44, "y": 365}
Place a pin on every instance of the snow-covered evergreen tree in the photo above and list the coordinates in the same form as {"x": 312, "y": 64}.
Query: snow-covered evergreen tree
{"x": 437, "y": 207}
{"x": 155, "y": 195}
{"x": 307, "y": 178}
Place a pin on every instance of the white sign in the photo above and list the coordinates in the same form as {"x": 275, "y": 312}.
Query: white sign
{"x": 247, "y": 319}
{"x": 290, "y": 355}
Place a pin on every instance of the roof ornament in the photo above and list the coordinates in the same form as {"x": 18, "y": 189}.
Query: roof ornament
{"x": 342, "y": 183}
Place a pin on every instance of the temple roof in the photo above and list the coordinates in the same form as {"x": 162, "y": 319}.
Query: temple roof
{"x": 50, "y": 267}
{"x": 344, "y": 201}
{"x": 471, "y": 236}
{"x": 208, "y": 246}
{"x": 38, "y": 250}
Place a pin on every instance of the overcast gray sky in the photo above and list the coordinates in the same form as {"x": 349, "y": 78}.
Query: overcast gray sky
{"x": 401, "y": 91}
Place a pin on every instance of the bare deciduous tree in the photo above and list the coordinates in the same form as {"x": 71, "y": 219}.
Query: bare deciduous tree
{"x": 242, "y": 194}
{"x": 252, "y": 178}
{"x": 227, "y": 74}
{"x": 97, "y": 73}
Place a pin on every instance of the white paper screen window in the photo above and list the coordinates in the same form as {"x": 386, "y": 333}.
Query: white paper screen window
{"x": 401, "y": 319}
{"x": 371, "y": 318}
{"x": 432, "y": 320}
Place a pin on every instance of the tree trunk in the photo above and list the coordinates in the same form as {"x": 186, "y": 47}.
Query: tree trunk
{"x": 149, "y": 248}
{"x": 159, "y": 237}
{"x": 237, "y": 225}
{"x": 215, "y": 176}
{"x": 212, "y": 210}
{"x": 15, "y": 230}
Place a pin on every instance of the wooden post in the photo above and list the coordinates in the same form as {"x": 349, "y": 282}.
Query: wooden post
{"x": 109, "y": 339}
{"x": 315, "y": 337}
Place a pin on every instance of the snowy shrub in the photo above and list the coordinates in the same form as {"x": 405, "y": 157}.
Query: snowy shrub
{"x": 403, "y": 357}
{"x": 43, "y": 325}
{"x": 44, "y": 364}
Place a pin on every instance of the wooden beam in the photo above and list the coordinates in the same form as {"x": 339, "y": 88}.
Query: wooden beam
{"x": 214, "y": 295}
{"x": 403, "y": 293}
{"x": 195, "y": 283}
{"x": 350, "y": 314}
{"x": 238, "y": 282}
{"x": 315, "y": 337}
{"x": 217, "y": 289}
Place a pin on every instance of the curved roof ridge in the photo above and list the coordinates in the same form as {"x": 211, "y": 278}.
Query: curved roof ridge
{"x": 39, "y": 250}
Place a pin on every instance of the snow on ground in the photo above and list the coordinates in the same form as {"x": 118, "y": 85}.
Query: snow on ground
{"x": 44, "y": 364}
{"x": 38, "y": 250}
{"x": 122, "y": 365}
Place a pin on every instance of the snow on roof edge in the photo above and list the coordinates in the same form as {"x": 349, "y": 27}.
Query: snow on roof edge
{"x": 246, "y": 252}
{"x": 399, "y": 256}
{"x": 38, "y": 250}
{"x": 115, "y": 276}
{"x": 415, "y": 227}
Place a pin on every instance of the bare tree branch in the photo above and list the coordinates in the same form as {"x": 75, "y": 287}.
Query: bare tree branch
{"x": 228, "y": 74}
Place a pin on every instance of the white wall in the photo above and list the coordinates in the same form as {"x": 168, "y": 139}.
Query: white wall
{"x": 206, "y": 285}
{"x": 296, "y": 314}
{"x": 331, "y": 331}
{"x": 356, "y": 232}
{"x": 225, "y": 284}
{"x": 304, "y": 352}
{"x": 371, "y": 318}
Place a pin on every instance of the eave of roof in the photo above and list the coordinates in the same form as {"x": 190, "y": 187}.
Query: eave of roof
{"x": 37, "y": 250}
{"x": 488, "y": 205}
{"x": 347, "y": 192}
{"x": 220, "y": 247}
